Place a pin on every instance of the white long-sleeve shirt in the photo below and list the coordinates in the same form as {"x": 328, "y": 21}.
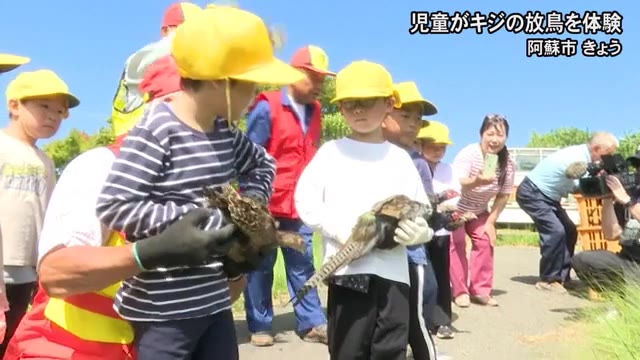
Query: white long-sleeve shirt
{"x": 443, "y": 180}
{"x": 343, "y": 181}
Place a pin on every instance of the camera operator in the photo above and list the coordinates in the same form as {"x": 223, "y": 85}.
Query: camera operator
{"x": 604, "y": 270}
{"x": 539, "y": 195}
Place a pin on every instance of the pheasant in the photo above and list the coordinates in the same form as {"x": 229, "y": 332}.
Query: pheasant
{"x": 447, "y": 215}
{"x": 259, "y": 230}
{"x": 373, "y": 229}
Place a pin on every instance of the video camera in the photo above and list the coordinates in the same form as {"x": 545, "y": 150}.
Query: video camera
{"x": 595, "y": 185}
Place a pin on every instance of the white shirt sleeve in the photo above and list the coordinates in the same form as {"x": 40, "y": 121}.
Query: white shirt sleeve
{"x": 310, "y": 197}
{"x": 71, "y": 219}
{"x": 309, "y": 193}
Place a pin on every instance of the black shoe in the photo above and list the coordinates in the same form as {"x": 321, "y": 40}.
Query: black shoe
{"x": 445, "y": 332}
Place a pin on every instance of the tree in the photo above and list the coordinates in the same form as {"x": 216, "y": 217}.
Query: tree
{"x": 558, "y": 138}
{"x": 334, "y": 127}
{"x": 629, "y": 143}
{"x": 64, "y": 150}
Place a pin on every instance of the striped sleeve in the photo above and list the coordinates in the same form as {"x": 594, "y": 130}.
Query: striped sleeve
{"x": 463, "y": 162}
{"x": 256, "y": 169}
{"x": 125, "y": 203}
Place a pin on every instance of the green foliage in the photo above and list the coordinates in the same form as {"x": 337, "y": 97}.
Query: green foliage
{"x": 328, "y": 93}
{"x": 563, "y": 137}
{"x": 629, "y": 143}
{"x": 64, "y": 150}
{"x": 559, "y": 138}
{"x": 334, "y": 127}
{"x": 615, "y": 331}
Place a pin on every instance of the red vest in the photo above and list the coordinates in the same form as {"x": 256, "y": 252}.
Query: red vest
{"x": 291, "y": 148}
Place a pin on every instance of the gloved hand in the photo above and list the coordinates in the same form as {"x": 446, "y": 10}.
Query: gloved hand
{"x": 184, "y": 243}
{"x": 413, "y": 232}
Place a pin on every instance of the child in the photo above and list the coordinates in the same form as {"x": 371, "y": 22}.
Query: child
{"x": 434, "y": 139}
{"x": 401, "y": 128}
{"x": 37, "y": 101}
{"x": 344, "y": 179}
{"x": 175, "y": 150}
{"x": 161, "y": 81}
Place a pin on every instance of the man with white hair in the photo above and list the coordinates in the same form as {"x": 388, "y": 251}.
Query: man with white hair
{"x": 539, "y": 195}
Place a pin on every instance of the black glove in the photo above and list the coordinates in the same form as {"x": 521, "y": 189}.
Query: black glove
{"x": 184, "y": 243}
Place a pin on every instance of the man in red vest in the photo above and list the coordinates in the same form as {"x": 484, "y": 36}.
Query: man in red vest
{"x": 287, "y": 123}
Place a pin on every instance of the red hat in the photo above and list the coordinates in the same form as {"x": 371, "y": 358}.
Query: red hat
{"x": 178, "y": 12}
{"x": 161, "y": 78}
{"x": 312, "y": 58}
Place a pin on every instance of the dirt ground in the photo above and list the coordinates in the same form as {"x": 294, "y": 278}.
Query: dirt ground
{"x": 528, "y": 324}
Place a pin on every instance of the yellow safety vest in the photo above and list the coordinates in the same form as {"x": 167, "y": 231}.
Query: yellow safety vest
{"x": 91, "y": 316}
{"x": 124, "y": 119}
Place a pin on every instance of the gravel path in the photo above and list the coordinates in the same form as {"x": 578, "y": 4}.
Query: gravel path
{"x": 528, "y": 324}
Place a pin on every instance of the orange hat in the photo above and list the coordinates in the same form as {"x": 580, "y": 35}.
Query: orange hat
{"x": 178, "y": 12}
{"x": 161, "y": 78}
{"x": 312, "y": 58}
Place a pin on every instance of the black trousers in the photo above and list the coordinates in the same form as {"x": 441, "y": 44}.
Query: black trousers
{"x": 202, "y": 338}
{"x": 438, "y": 250}
{"x": 19, "y": 297}
{"x": 368, "y": 326}
{"x": 604, "y": 270}
{"x": 420, "y": 340}
{"x": 558, "y": 234}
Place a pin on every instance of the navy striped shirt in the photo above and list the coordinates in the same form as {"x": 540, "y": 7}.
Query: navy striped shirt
{"x": 158, "y": 176}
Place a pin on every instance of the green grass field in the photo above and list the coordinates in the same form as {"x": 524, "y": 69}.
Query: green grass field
{"x": 613, "y": 328}
{"x": 508, "y": 237}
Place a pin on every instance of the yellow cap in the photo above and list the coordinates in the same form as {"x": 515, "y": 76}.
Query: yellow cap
{"x": 409, "y": 93}
{"x": 37, "y": 84}
{"x": 9, "y": 62}
{"x": 363, "y": 79}
{"x": 435, "y": 132}
{"x": 224, "y": 42}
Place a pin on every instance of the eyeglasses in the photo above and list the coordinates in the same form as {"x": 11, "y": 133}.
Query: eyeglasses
{"x": 364, "y": 104}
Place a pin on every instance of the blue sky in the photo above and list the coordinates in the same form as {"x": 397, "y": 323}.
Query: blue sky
{"x": 465, "y": 75}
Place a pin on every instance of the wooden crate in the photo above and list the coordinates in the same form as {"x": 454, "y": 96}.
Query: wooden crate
{"x": 590, "y": 211}
{"x": 591, "y": 238}
{"x": 590, "y": 229}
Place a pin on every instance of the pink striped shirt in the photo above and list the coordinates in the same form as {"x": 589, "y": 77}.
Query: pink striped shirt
{"x": 470, "y": 162}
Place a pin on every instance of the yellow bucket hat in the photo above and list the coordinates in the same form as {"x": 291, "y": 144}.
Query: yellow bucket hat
{"x": 39, "y": 84}
{"x": 224, "y": 42}
{"x": 435, "y": 132}
{"x": 409, "y": 93}
{"x": 364, "y": 79}
{"x": 9, "y": 62}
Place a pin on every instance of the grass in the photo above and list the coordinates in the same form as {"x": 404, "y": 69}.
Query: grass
{"x": 506, "y": 237}
{"x": 615, "y": 335}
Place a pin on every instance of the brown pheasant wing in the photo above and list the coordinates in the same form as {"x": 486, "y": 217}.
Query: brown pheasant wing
{"x": 291, "y": 240}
